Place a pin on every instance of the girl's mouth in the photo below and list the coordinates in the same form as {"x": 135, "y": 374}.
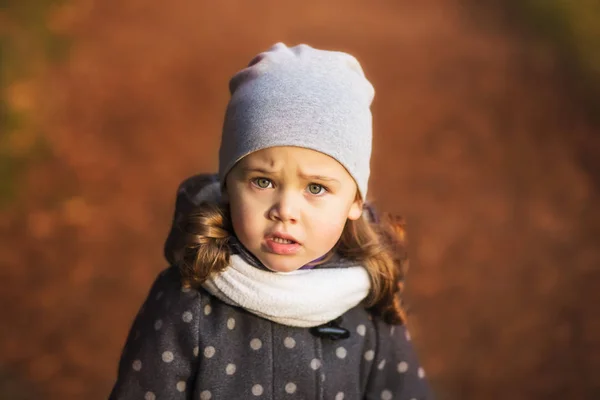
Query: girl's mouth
{"x": 282, "y": 240}
{"x": 282, "y": 245}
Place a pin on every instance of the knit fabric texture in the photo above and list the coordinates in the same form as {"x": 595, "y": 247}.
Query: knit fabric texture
{"x": 304, "y": 97}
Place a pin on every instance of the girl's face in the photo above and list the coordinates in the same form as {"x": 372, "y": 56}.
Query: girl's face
{"x": 289, "y": 205}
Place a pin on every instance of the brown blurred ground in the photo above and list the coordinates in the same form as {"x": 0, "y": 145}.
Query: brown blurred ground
{"x": 478, "y": 144}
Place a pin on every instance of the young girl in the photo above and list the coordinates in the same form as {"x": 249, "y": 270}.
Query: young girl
{"x": 283, "y": 284}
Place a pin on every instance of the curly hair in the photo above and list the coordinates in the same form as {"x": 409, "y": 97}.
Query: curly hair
{"x": 201, "y": 247}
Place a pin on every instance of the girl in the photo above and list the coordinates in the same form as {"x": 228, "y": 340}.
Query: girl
{"x": 283, "y": 284}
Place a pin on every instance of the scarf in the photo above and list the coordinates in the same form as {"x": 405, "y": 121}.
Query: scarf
{"x": 301, "y": 298}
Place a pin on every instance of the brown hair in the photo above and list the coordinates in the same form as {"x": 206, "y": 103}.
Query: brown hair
{"x": 202, "y": 248}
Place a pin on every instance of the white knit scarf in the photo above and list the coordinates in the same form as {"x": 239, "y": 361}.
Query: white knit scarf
{"x": 302, "y": 298}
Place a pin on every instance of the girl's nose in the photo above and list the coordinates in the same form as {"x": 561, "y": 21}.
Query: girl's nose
{"x": 285, "y": 209}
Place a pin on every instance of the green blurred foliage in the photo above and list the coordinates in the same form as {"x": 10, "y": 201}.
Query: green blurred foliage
{"x": 27, "y": 45}
{"x": 574, "y": 27}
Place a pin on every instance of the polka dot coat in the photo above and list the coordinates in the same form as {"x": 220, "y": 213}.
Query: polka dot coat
{"x": 187, "y": 344}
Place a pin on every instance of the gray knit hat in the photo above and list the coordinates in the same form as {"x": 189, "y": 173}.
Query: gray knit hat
{"x": 301, "y": 96}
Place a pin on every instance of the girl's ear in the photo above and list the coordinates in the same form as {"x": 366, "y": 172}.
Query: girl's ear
{"x": 356, "y": 210}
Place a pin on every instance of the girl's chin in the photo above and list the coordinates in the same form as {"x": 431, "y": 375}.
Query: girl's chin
{"x": 282, "y": 268}
{"x": 278, "y": 266}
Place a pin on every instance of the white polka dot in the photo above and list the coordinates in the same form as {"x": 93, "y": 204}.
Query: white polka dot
{"x": 207, "y": 309}
{"x": 341, "y": 352}
{"x": 230, "y": 324}
{"x": 136, "y": 365}
{"x": 187, "y": 316}
{"x": 361, "y": 329}
{"x": 407, "y": 334}
{"x": 290, "y": 387}
{"x": 149, "y": 396}
{"x": 159, "y": 295}
{"x": 230, "y": 369}
{"x": 369, "y": 355}
{"x": 196, "y": 351}
{"x": 205, "y": 395}
{"x": 322, "y": 377}
{"x": 158, "y": 324}
{"x": 167, "y": 356}
{"x": 209, "y": 351}
{"x": 386, "y": 395}
{"x": 381, "y": 365}
{"x": 289, "y": 342}
{"x": 181, "y": 386}
{"x": 315, "y": 364}
{"x": 257, "y": 390}
{"x": 185, "y": 289}
{"x": 421, "y": 372}
{"x": 255, "y": 344}
{"x": 402, "y": 367}
{"x": 392, "y": 330}
{"x": 339, "y": 396}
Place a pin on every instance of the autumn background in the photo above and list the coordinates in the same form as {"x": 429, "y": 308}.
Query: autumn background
{"x": 487, "y": 141}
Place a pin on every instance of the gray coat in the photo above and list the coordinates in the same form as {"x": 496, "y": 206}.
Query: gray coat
{"x": 190, "y": 345}
{"x": 187, "y": 344}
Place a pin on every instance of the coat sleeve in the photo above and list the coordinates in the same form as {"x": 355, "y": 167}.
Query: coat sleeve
{"x": 159, "y": 360}
{"x": 395, "y": 371}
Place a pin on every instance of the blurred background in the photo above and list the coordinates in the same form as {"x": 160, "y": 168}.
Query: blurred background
{"x": 487, "y": 140}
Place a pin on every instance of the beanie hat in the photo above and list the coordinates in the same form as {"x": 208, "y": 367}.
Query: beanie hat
{"x": 304, "y": 97}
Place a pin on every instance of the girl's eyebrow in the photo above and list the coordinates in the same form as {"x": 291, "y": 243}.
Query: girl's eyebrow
{"x": 318, "y": 178}
{"x": 258, "y": 169}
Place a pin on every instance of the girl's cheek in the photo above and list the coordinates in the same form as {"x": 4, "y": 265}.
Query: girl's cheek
{"x": 328, "y": 228}
{"x": 250, "y": 212}
{"x": 259, "y": 202}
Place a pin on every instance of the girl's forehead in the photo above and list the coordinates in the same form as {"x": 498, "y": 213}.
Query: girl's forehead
{"x": 306, "y": 164}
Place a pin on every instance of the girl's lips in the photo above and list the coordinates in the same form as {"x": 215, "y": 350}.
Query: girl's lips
{"x": 282, "y": 235}
{"x": 277, "y": 247}
{"x": 284, "y": 249}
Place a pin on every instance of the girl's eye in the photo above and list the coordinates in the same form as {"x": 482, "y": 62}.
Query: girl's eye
{"x": 262, "y": 183}
{"x": 315, "y": 188}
